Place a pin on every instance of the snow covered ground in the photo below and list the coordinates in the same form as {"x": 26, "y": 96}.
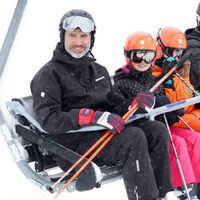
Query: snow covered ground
{"x": 33, "y": 46}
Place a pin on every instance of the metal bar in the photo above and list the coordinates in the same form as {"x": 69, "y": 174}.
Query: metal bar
{"x": 11, "y": 33}
{"x": 173, "y": 106}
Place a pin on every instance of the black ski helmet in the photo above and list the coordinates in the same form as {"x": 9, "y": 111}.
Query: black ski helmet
{"x": 198, "y": 15}
{"x": 76, "y": 12}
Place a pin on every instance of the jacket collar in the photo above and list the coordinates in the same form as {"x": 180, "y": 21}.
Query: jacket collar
{"x": 128, "y": 72}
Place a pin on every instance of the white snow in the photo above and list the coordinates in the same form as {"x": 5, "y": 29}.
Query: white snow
{"x": 33, "y": 46}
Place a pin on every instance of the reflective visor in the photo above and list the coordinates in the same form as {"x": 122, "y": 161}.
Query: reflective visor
{"x": 175, "y": 53}
{"x": 143, "y": 55}
{"x": 71, "y": 23}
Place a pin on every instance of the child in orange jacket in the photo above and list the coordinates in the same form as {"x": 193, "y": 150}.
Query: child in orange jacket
{"x": 173, "y": 41}
{"x": 171, "y": 44}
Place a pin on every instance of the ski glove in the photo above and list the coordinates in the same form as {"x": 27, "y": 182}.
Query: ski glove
{"x": 168, "y": 64}
{"x": 172, "y": 117}
{"x": 111, "y": 121}
{"x": 145, "y": 100}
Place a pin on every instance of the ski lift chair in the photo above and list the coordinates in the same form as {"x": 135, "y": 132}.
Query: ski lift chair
{"x": 34, "y": 146}
{"x": 31, "y": 144}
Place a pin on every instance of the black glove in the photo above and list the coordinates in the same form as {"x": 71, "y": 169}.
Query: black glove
{"x": 172, "y": 117}
{"x": 168, "y": 64}
{"x": 161, "y": 101}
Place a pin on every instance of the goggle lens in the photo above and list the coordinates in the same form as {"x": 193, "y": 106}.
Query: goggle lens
{"x": 71, "y": 23}
{"x": 146, "y": 56}
{"x": 175, "y": 53}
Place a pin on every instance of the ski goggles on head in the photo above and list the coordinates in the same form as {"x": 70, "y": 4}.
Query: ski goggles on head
{"x": 143, "y": 55}
{"x": 175, "y": 53}
{"x": 85, "y": 24}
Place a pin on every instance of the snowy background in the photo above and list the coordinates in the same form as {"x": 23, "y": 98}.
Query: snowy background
{"x": 36, "y": 40}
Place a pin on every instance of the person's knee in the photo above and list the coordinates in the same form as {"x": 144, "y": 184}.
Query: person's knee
{"x": 156, "y": 129}
{"x": 134, "y": 134}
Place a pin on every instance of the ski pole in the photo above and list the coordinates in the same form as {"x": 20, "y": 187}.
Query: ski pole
{"x": 109, "y": 134}
{"x": 81, "y": 159}
{"x": 177, "y": 159}
{"x": 178, "y": 64}
{"x": 187, "y": 84}
{"x": 195, "y": 92}
{"x": 125, "y": 117}
{"x": 186, "y": 124}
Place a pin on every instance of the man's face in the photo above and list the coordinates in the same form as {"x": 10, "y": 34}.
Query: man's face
{"x": 77, "y": 43}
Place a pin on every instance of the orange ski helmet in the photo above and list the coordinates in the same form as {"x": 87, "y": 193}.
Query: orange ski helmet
{"x": 139, "y": 41}
{"x": 171, "y": 38}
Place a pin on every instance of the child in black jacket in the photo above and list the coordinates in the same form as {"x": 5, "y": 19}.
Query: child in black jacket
{"x": 135, "y": 80}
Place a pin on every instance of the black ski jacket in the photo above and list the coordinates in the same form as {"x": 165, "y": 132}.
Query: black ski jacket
{"x": 64, "y": 85}
{"x": 130, "y": 82}
{"x": 193, "y": 39}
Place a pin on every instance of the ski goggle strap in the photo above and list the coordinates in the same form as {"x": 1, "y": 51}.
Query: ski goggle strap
{"x": 85, "y": 24}
{"x": 143, "y": 55}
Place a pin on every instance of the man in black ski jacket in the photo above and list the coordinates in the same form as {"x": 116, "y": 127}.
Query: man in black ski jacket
{"x": 72, "y": 91}
{"x": 193, "y": 40}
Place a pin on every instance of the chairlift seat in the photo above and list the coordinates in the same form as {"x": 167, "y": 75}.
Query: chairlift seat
{"x": 40, "y": 147}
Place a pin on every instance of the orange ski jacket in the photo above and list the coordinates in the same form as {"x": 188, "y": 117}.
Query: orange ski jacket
{"x": 181, "y": 92}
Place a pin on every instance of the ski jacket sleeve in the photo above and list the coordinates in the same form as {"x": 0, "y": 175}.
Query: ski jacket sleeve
{"x": 119, "y": 103}
{"x": 126, "y": 94}
{"x": 47, "y": 104}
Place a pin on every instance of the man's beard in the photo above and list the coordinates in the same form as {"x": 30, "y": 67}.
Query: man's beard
{"x": 77, "y": 55}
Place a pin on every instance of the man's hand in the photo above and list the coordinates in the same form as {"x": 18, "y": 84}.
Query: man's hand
{"x": 111, "y": 121}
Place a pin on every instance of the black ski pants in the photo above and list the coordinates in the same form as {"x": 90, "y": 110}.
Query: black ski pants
{"x": 158, "y": 147}
{"x": 129, "y": 148}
